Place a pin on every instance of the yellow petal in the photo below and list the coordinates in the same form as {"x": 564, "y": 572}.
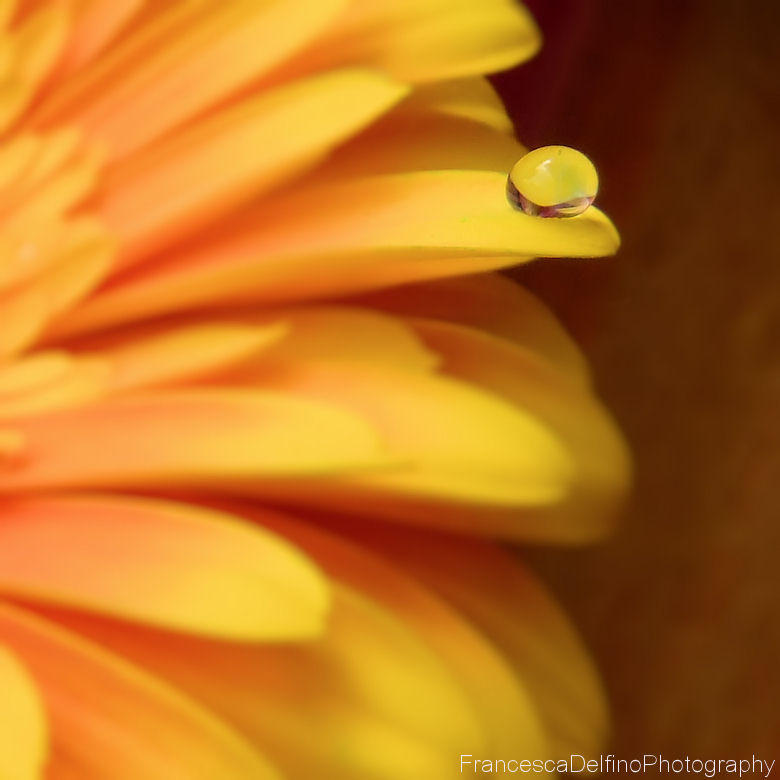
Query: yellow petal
{"x": 368, "y": 233}
{"x": 398, "y": 686}
{"x": 178, "y": 355}
{"x": 7, "y": 10}
{"x": 32, "y": 372}
{"x": 24, "y": 316}
{"x": 196, "y": 53}
{"x": 470, "y": 98}
{"x": 94, "y": 25}
{"x": 107, "y": 713}
{"x": 180, "y": 184}
{"x": 507, "y": 715}
{"x": 165, "y": 564}
{"x": 343, "y": 334}
{"x": 461, "y": 445}
{"x": 36, "y": 44}
{"x": 492, "y": 303}
{"x": 80, "y": 382}
{"x": 82, "y": 261}
{"x": 514, "y": 610}
{"x": 429, "y": 40}
{"x": 424, "y": 142}
{"x": 199, "y": 438}
{"x": 599, "y": 456}
{"x": 23, "y": 727}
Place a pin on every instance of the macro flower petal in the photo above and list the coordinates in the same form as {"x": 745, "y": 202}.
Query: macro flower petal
{"x": 32, "y": 49}
{"x": 398, "y": 685}
{"x": 468, "y": 98}
{"x": 124, "y": 100}
{"x": 371, "y": 232}
{"x": 599, "y": 455}
{"x": 423, "y": 141}
{"x": 491, "y": 303}
{"x": 170, "y": 188}
{"x": 23, "y": 727}
{"x": 491, "y": 588}
{"x": 177, "y": 355}
{"x": 461, "y": 445}
{"x": 163, "y": 564}
{"x": 193, "y": 438}
{"x": 93, "y": 25}
{"x": 428, "y": 40}
{"x": 104, "y": 712}
{"x": 238, "y": 256}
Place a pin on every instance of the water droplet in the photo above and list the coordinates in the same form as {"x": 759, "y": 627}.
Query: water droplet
{"x": 552, "y": 181}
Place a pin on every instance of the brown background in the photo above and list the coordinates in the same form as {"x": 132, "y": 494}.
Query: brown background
{"x": 674, "y": 102}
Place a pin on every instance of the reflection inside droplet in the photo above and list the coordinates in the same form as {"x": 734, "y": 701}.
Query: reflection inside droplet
{"x": 553, "y": 181}
{"x": 571, "y": 208}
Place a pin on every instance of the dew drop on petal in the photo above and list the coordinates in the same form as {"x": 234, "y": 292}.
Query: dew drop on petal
{"x": 552, "y": 181}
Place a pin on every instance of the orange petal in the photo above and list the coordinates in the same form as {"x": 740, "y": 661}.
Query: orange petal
{"x": 456, "y": 445}
{"x": 176, "y": 355}
{"x": 492, "y": 303}
{"x": 429, "y": 141}
{"x": 23, "y": 726}
{"x": 201, "y": 438}
{"x": 174, "y": 187}
{"x": 598, "y": 452}
{"x": 165, "y": 564}
{"x": 428, "y": 40}
{"x": 469, "y": 98}
{"x": 342, "y": 334}
{"x": 95, "y": 23}
{"x": 398, "y": 686}
{"x": 368, "y": 232}
{"x": 35, "y": 44}
{"x": 513, "y": 609}
{"x": 107, "y": 713}
{"x": 199, "y": 54}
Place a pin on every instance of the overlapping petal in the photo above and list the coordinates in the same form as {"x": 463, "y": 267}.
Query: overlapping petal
{"x": 23, "y": 726}
{"x": 168, "y": 565}
{"x": 400, "y": 685}
{"x": 105, "y": 712}
{"x": 182, "y": 185}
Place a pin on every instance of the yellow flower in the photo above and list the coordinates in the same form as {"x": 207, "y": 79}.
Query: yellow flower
{"x": 249, "y": 391}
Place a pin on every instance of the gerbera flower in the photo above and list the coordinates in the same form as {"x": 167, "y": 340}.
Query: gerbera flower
{"x": 257, "y": 426}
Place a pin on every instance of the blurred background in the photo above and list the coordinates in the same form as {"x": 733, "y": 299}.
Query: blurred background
{"x": 677, "y": 104}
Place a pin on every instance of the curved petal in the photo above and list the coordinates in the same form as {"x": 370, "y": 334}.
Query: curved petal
{"x": 106, "y": 713}
{"x": 33, "y": 48}
{"x": 455, "y": 444}
{"x": 339, "y": 334}
{"x": 23, "y": 726}
{"x": 169, "y": 565}
{"x": 369, "y": 232}
{"x": 173, "y": 188}
{"x": 399, "y": 685}
{"x": 491, "y": 303}
{"x": 501, "y": 597}
{"x": 201, "y": 53}
{"x": 177, "y": 355}
{"x": 428, "y": 40}
{"x": 202, "y": 438}
{"x": 601, "y": 463}
{"x": 430, "y": 141}
{"x": 468, "y": 98}
{"x": 94, "y": 25}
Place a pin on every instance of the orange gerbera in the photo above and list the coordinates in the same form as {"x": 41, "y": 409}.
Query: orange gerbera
{"x": 221, "y": 226}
